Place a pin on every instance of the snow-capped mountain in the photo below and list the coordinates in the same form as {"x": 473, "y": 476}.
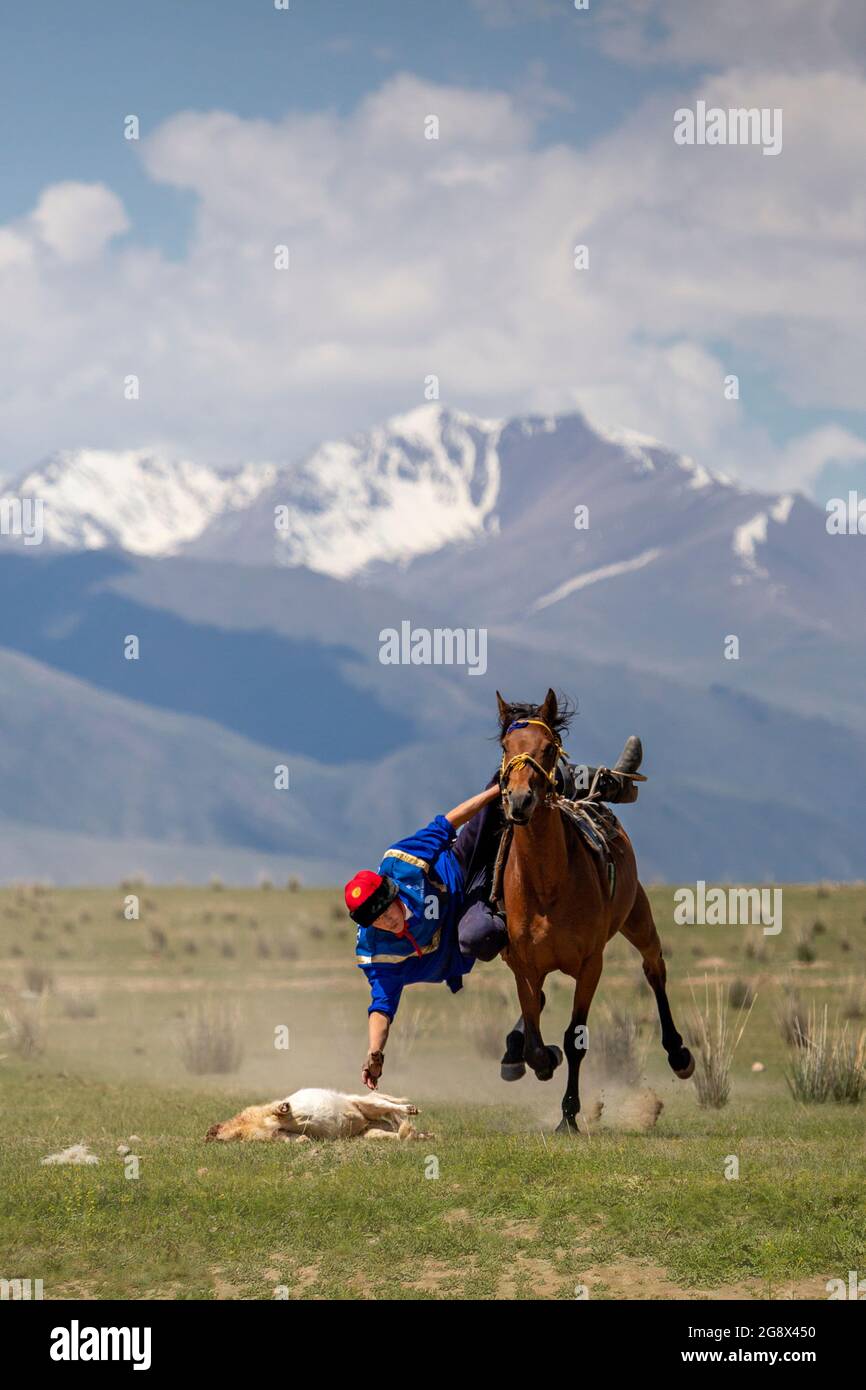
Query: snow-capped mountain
{"x": 413, "y": 487}
{"x": 423, "y": 480}
{"x": 134, "y": 499}
{"x": 597, "y": 561}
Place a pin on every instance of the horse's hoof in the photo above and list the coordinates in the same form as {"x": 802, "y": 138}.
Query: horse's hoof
{"x": 552, "y": 1058}
{"x": 685, "y": 1072}
{"x": 512, "y": 1071}
{"x": 567, "y": 1127}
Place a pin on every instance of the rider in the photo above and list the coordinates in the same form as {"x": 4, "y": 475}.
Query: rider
{"x": 424, "y": 917}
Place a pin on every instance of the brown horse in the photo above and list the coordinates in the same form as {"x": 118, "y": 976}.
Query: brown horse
{"x": 559, "y": 907}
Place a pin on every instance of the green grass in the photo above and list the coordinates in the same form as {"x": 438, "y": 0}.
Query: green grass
{"x": 515, "y": 1211}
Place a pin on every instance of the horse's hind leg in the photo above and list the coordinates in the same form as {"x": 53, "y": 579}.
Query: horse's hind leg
{"x": 639, "y": 928}
{"x": 573, "y": 1042}
{"x": 543, "y": 1060}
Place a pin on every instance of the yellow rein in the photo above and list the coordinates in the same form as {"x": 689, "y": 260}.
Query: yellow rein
{"x": 507, "y": 766}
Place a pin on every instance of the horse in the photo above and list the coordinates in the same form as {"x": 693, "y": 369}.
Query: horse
{"x": 559, "y": 907}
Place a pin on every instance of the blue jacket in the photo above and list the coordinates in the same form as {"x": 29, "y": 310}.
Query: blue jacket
{"x": 430, "y": 883}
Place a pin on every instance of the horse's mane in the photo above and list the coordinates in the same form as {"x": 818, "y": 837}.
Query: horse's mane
{"x": 565, "y": 711}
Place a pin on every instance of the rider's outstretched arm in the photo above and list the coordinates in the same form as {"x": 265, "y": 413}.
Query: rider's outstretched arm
{"x": 467, "y": 809}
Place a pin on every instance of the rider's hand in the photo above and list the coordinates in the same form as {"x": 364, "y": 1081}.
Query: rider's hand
{"x": 372, "y": 1069}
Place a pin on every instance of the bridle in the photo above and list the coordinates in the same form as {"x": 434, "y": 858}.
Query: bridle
{"x": 509, "y": 765}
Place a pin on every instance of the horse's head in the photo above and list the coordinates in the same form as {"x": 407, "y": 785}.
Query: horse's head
{"x": 529, "y": 735}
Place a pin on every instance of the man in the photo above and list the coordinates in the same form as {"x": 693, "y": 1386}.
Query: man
{"x": 424, "y": 917}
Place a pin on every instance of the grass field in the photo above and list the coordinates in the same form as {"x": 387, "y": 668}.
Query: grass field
{"x": 494, "y": 1205}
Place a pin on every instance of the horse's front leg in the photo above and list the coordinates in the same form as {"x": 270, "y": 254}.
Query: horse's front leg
{"x": 575, "y": 1040}
{"x": 543, "y": 1060}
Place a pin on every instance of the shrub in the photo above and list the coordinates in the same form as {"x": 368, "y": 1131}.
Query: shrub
{"x": 23, "y": 1030}
{"x": 79, "y": 1005}
{"x": 793, "y": 1022}
{"x": 805, "y": 951}
{"x": 716, "y": 1043}
{"x": 612, "y": 1044}
{"x": 740, "y": 994}
{"x": 38, "y": 979}
{"x": 854, "y": 1000}
{"x": 831, "y": 1065}
{"x": 210, "y": 1040}
{"x": 756, "y": 947}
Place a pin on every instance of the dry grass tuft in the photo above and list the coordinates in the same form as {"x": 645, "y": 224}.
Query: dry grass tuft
{"x": 830, "y": 1064}
{"x": 715, "y": 1042}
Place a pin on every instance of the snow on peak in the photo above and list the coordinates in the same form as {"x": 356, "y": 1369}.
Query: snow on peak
{"x": 582, "y": 581}
{"x": 781, "y": 509}
{"x": 754, "y": 532}
{"x": 746, "y": 540}
{"x": 135, "y": 499}
{"x": 649, "y": 454}
{"x": 423, "y": 480}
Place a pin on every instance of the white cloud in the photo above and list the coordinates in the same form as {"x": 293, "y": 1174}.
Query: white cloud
{"x": 77, "y": 220}
{"x": 795, "y": 34}
{"x": 412, "y": 256}
{"x": 806, "y": 457}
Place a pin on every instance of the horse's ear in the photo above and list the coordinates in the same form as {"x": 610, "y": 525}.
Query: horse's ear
{"x": 504, "y": 707}
{"x": 550, "y": 709}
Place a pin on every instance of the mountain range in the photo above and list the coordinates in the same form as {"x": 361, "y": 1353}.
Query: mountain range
{"x": 723, "y": 624}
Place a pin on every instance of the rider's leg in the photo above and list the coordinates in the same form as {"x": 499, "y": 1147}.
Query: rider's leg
{"x": 481, "y": 932}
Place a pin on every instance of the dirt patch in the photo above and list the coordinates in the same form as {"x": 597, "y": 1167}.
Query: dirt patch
{"x": 437, "y": 1277}
{"x": 519, "y": 1230}
{"x": 298, "y": 1280}
{"x": 539, "y": 1278}
{"x": 222, "y": 1289}
{"x": 638, "y": 1279}
{"x": 71, "y": 1291}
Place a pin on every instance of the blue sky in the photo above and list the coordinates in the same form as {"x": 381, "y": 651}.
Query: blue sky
{"x": 587, "y": 105}
{"x": 69, "y": 73}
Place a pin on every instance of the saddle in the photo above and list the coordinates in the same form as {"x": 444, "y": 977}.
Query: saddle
{"x": 581, "y": 800}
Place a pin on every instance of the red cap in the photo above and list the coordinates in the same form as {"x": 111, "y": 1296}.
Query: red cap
{"x": 368, "y": 895}
{"x": 361, "y": 887}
